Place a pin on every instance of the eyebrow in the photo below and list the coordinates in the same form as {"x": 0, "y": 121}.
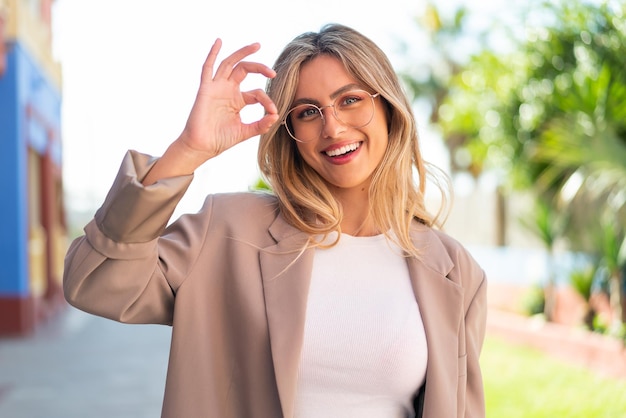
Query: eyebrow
{"x": 333, "y": 96}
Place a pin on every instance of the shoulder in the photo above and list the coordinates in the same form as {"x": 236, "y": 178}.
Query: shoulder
{"x": 451, "y": 257}
{"x": 466, "y": 272}
{"x": 454, "y": 247}
{"x": 250, "y": 203}
{"x": 459, "y": 254}
{"x": 242, "y": 211}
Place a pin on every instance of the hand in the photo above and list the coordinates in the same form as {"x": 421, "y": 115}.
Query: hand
{"x": 214, "y": 124}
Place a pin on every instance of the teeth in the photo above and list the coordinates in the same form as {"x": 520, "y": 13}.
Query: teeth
{"x": 343, "y": 150}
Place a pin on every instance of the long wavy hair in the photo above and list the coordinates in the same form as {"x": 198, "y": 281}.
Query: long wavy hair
{"x": 397, "y": 191}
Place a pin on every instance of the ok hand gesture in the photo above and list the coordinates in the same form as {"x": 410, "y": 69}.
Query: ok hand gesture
{"x": 214, "y": 124}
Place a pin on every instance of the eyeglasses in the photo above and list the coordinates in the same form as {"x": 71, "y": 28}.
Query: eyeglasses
{"x": 354, "y": 108}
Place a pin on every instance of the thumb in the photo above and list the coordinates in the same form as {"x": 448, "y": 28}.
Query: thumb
{"x": 261, "y": 126}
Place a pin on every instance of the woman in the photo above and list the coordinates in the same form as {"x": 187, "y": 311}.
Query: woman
{"x": 332, "y": 296}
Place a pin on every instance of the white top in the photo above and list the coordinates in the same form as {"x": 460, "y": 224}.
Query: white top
{"x": 364, "y": 352}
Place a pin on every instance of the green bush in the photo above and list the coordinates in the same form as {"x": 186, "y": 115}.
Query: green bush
{"x": 534, "y": 301}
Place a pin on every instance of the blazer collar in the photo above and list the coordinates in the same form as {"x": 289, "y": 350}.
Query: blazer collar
{"x": 286, "y": 270}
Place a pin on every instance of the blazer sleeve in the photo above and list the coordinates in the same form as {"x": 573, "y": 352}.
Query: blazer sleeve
{"x": 129, "y": 264}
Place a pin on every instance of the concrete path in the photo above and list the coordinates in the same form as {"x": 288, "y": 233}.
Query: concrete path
{"x": 82, "y": 366}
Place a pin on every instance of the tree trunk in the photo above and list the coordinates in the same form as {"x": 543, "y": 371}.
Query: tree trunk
{"x": 590, "y": 315}
{"x": 501, "y": 207}
{"x": 550, "y": 295}
{"x": 615, "y": 297}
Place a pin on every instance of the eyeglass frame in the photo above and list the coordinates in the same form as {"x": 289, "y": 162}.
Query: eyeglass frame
{"x": 321, "y": 108}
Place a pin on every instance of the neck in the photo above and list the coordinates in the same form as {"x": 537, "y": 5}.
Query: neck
{"x": 364, "y": 229}
{"x": 356, "y": 212}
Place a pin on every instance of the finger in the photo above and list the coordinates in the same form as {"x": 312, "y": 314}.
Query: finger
{"x": 271, "y": 114}
{"x": 244, "y": 68}
{"x": 209, "y": 63}
{"x": 259, "y": 96}
{"x": 260, "y": 126}
{"x": 226, "y": 67}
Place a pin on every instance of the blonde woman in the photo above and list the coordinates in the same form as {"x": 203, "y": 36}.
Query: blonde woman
{"x": 332, "y": 296}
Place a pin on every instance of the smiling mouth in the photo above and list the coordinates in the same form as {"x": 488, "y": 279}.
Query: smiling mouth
{"x": 346, "y": 149}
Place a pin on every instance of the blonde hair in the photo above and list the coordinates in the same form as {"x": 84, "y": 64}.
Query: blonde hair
{"x": 304, "y": 198}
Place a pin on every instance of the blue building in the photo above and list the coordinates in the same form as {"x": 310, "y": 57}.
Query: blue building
{"x": 32, "y": 218}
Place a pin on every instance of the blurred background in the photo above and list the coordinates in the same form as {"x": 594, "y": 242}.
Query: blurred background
{"x": 521, "y": 103}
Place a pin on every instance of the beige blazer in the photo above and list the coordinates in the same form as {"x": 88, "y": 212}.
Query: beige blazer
{"x": 233, "y": 282}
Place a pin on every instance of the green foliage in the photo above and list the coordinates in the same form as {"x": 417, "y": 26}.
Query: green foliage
{"x": 260, "y": 185}
{"x": 612, "y": 243}
{"x": 582, "y": 281}
{"x": 549, "y": 107}
{"x": 600, "y": 325}
{"x": 549, "y": 113}
{"x": 534, "y": 301}
{"x": 434, "y": 74}
{"x": 545, "y": 222}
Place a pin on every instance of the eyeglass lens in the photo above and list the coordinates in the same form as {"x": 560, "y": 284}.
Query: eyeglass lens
{"x": 355, "y": 109}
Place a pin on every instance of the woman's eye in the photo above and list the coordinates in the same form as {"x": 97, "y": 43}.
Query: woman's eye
{"x": 308, "y": 112}
{"x": 350, "y": 100}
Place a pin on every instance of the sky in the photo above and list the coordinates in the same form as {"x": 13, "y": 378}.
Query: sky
{"x": 131, "y": 70}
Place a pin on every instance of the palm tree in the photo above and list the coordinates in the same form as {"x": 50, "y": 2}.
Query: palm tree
{"x": 550, "y": 114}
{"x": 583, "y": 282}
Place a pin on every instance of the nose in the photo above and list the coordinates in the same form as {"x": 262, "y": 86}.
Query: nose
{"x": 331, "y": 126}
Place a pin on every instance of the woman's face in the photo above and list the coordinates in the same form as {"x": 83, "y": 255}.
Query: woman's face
{"x": 345, "y": 157}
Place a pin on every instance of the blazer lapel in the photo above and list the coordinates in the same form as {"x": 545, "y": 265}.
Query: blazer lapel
{"x": 286, "y": 270}
{"x": 440, "y": 302}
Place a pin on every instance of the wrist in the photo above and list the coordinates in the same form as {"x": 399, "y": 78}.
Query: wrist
{"x": 178, "y": 160}
{"x": 188, "y": 157}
